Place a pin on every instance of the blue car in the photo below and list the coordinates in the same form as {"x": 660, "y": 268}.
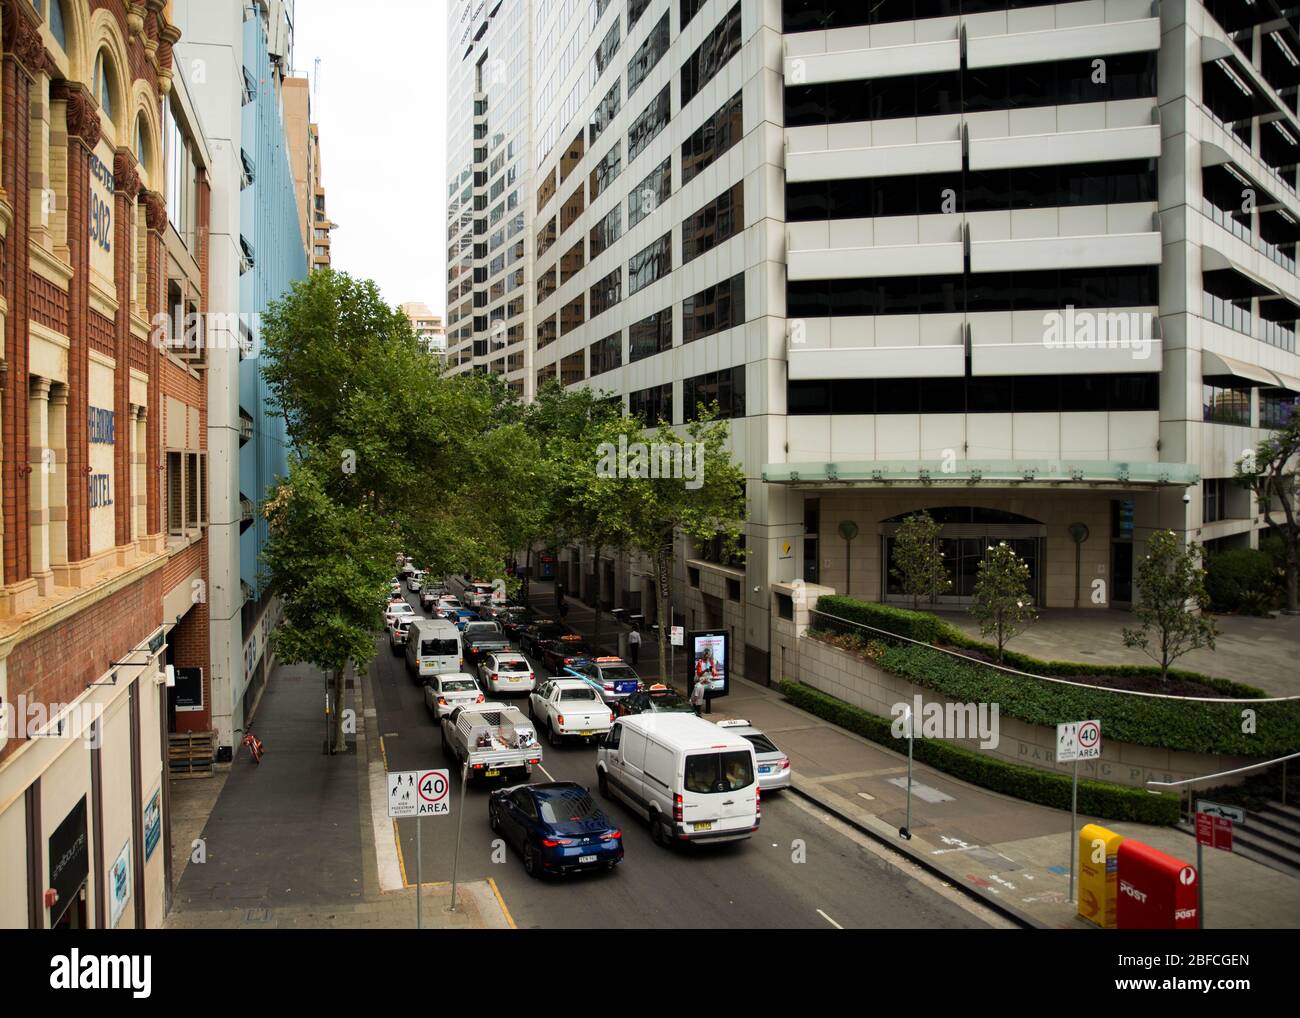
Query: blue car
{"x": 463, "y": 615}
{"x": 557, "y": 827}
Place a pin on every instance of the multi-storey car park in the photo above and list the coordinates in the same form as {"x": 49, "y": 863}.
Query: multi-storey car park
{"x": 1025, "y": 265}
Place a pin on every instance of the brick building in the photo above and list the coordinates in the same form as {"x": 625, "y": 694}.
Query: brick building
{"x": 104, "y": 209}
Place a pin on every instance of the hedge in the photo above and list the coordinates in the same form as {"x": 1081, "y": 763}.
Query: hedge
{"x": 905, "y": 622}
{"x": 1047, "y": 788}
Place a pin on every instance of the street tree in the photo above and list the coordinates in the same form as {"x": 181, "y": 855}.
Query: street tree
{"x": 1002, "y": 603}
{"x": 643, "y": 489}
{"x": 330, "y": 566}
{"x": 919, "y": 567}
{"x": 1271, "y": 472}
{"x": 1171, "y": 602}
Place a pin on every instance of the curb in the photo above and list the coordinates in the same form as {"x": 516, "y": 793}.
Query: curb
{"x": 995, "y": 904}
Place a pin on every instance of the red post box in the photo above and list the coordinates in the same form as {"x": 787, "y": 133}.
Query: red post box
{"x": 1156, "y": 891}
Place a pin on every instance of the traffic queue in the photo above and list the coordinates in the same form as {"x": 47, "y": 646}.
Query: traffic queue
{"x": 499, "y": 680}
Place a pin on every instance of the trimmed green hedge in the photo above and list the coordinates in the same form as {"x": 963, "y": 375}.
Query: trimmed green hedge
{"x": 905, "y": 622}
{"x": 1048, "y": 788}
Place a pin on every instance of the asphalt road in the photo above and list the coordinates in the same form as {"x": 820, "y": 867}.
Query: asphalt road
{"x": 798, "y": 870}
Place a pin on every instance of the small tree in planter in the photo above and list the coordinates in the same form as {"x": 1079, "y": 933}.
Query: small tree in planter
{"x": 918, "y": 562}
{"x": 1003, "y": 605}
{"x": 1272, "y": 472}
{"x": 1171, "y": 602}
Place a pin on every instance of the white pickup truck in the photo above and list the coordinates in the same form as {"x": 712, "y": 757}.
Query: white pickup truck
{"x": 569, "y": 708}
{"x": 493, "y": 738}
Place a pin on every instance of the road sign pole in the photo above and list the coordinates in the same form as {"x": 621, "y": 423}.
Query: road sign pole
{"x": 906, "y": 832}
{"x": 1200, "y": 887}
{"x": 460, "y": 826}
{"x": 419, "y": 868}
{"x": 1074, "y": 820}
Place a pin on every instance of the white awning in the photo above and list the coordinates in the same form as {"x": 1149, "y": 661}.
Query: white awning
{"x": 1215, "y": 365}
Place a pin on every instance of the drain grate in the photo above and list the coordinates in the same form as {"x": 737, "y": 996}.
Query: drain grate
{"x": 257, "y": 915}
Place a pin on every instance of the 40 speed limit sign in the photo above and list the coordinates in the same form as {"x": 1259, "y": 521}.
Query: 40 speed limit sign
{"x": 433, "y": 794}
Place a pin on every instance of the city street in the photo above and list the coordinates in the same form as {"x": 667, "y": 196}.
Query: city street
{"x": 748, "y": 884}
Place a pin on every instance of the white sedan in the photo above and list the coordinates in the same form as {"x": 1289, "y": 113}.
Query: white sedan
{"x": 395, "y": 610}
{"x": 506, "y": 672}
{"x": 444, "y": 693}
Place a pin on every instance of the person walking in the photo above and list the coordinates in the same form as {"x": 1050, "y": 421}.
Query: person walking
{"x": 634, "y": 645}
{"x": 697, "y": 694}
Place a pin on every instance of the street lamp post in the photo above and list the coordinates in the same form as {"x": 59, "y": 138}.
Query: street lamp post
{"x": 905, "y": 832}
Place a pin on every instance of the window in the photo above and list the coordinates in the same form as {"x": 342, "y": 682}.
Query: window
{"x": 607, "y": 292}
{"x": 573, "y": 156}
{"x": 547, "y": 191}
{"x": 718, "y": 47}
{"x": 714, "y": 309}
{"x": 606, "y": 170}
{"x": 719, "y": 773}
{"x": 606, "y": 354}
{"x": 546, "y": 237}
{"x": 175, "y": 494}
{"x": 1221, "y": 405}
{"x": 635, "y": 8}
{"x": 546, "y": 331}
{"x": 690, "y": 8}
{"x": 604, "y": 55}
{"x": 648, "y": 54}
{"x": 603, "y": 115}
{"x": 572, "y": 208}
{"x": 546, "y": 373}
{"x": 1213, "y": 500}
{"x": 56, "y": 24}
{"x": 179, "y": 172}
{"x": 546, "y": 284}
{"x": 573, "y": 314}
{"x": 104, "y": 83}
{"x": 572, "y": 261}
{"x": 649, "y": 264}
{"x": 1276, "y": 407}
{"x": 573, "y": 368}
{"x": 647, "y": 126}
{"x": 650, "y": 193}
{"x": 651, "y": 335}
{"x": 652, "y": 405}
{"x": 608, "y": 230}
{"x": 714, "y": 137}
{"x": 725, "y": 388}
{"x": 717, "y": 221}
{"x": 1015, "y": 394}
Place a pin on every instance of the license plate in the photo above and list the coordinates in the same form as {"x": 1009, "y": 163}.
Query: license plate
{"x": 586, "y": 733}
{"x": 492, "y": 774}
{"x": 706, "y": 825}
{"x": 586, "y": 858}
{"x": 765, "y": 770}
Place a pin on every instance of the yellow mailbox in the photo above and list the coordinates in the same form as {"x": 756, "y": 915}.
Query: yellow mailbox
{"x": 1098, "y": 874}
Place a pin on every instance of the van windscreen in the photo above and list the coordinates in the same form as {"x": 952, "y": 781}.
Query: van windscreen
{"x": 729, "y": 771}
{"x": 439, "y": 648}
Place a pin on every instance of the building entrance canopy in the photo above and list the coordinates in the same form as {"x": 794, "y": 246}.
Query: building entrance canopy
{"x": 999, "y": 473}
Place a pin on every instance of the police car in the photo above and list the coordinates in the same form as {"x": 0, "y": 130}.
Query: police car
{"x": 611, "y": 677}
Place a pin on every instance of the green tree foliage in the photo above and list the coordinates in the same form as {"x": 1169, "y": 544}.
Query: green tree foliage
{"x": 1171, "y": 602}
{"x": 1002, "y": 603}
{"x": 1271, "y": 474}
{"x": 918, "y": 561}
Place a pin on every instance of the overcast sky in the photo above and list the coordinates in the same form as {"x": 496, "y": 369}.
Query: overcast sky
{"x": 380, "y": 100}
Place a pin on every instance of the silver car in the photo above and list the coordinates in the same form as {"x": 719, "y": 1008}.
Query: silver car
{"x": 444, "y": 693}
{"x": 773, "y": 765}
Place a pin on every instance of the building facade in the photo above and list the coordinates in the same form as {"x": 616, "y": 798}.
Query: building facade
{"x": 490, "y": 70}
{"x": 103, "y": 447}
{"x": 305, "y": 157}
{"x": 241, "y": 55}
{"x": 1029, "y": 266}
{"x": 427, "y": 326}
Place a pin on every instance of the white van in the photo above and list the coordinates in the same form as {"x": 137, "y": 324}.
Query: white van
{"x": 692, "y": 780}
{"x": 433, "y": 648}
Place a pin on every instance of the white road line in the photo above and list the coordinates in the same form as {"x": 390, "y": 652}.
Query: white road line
{"x": 546, "y": 772}
{"x": 829, "y": 919}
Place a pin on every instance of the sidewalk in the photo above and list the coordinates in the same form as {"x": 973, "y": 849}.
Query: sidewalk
{"x": 291, "y": 843}
{"x": 1014, "y": 855}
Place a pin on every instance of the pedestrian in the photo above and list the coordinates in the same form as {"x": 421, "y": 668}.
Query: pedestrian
{"x": 559, "y": 596}
{"x": 634, "y": 645}
{"x": 698, "y": 693}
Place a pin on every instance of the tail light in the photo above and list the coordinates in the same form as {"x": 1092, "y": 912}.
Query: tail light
{"x": 479, "y": 698}
{"x": 442, "y": 702}
{"x": 758, "y": 802}
{"x": 552, "y": 842}
{"x": 677, "y": 807}
{"x": 530, "y": 677}
{"x": 559, "y": 719}
{"x": 785, "y": 764}
{"x": 612, "y": 836}
{"x": 493, "y": 676}
{"x": 609, "y": 687}
{"x": 570, "y": 660}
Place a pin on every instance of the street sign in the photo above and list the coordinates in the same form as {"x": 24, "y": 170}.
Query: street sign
{"x": 1234, "y": 813}
{"x": 677, "y": 635}
{"x": 403, "y": 801}
{"x": 1214, "y": 831}
{"x": 1078, "y": 740}
{"x": 433, "y": 799}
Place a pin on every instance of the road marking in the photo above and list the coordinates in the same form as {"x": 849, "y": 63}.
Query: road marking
{"x": 829, "y": 919}
{"x": 502, "y": 902}
{"x": 546, "y": 772}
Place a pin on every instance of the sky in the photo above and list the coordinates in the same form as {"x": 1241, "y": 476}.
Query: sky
{"x": 379, "y": 96}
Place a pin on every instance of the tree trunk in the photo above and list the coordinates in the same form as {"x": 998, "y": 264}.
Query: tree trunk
{"x": 340, "y": 744}
{"x": 595, "y": 635}
{"x": 665, "y": 618}
{"x": 1292, "y": 573}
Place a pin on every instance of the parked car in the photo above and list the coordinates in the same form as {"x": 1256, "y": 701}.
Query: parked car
{"x": 658, "y": 699}
{"x": 557, "y": 827}
{"x": 773, "y": 765}
{"x": 561, "y": 651}
{"x": 569, "y": 708}
{"x": 690, "y": 779}
{"x": 611, "y": 677}
{"x": 506, "y": 672}
{"x": 444, "y": 693}
{"x": 540, "y": 629}
{"x": 397, "y": 634}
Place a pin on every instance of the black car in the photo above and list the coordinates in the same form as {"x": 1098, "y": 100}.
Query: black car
{"x": 533, "y": 635}
{"x": 557, "y": 653}
{"x": 652, "y": 701}
{"x": 514, "y": 618}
